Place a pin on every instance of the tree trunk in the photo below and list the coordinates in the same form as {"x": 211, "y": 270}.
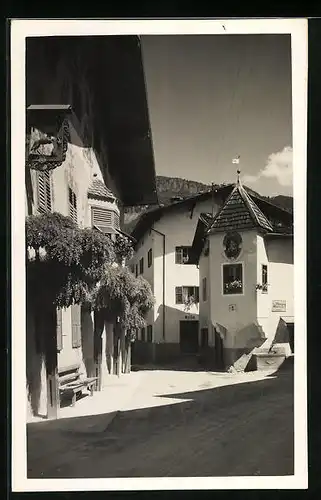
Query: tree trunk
{"x": 109, "y": 327}
{"x": 118, "y": 349}
{"x": 124, "y": 353}
{"x": 98, "y": 330}
{"x": 127, "y": 363}
{"x": 119, "y": 356}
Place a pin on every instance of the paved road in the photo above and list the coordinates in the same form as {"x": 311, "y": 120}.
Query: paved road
{"x": 243, "y": 429}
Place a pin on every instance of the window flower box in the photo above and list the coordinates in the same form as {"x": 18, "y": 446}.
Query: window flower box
{"x": 234, "y": 286}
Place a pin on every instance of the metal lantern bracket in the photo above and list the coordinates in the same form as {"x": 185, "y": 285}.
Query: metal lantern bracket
{"x": 47, "y": 136}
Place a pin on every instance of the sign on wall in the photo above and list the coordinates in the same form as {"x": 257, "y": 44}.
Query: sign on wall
{"x": 278, "y": 305}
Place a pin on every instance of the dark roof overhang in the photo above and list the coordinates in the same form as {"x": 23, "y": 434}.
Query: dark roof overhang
{"x": 115, "y": 75}
{"x": 278, "y": 235}
{"x": 199, "y": 240}
{"x": 46, "y": 114}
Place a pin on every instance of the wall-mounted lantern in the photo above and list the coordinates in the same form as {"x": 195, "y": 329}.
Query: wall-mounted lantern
{"x": 47, "y": 136}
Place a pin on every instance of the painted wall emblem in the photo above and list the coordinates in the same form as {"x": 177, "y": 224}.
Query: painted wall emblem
{"x": 232, "y": 245}
{"x": 47, "y": 146}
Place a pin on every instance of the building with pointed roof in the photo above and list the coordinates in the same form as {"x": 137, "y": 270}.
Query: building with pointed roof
{"x": 245, "y": 259}
{"x": 171, "y": 241}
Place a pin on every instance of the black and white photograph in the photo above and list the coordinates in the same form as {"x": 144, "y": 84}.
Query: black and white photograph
{"x": 158, "y": 208}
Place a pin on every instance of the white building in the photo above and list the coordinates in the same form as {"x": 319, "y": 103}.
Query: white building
{"x": 163, "y": 256}
{"x": 185, "y": 268}
{"x": 245, "y": 257}
{"x": 77, "y": 145}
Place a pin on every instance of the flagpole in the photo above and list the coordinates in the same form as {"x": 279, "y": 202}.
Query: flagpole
{"x": 212, "y": 199}
{"x": 236, "y": 161}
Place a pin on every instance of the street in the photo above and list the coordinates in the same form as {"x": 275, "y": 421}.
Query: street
{"x": 226, "y": 427}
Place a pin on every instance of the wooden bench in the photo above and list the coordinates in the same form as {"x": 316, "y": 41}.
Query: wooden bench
{"x": 71, "y": 383}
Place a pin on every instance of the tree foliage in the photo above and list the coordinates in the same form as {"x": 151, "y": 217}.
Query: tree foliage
{"x": 72, "y": 260}
{"x": 121, "y": 294}
{"x": 123, "y": 248}
{"x": 72, "y": 266}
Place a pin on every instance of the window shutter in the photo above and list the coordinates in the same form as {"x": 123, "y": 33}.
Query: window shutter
{"x": 59, "y": 330}
{"x": 179, "y": 295}
{"x": 76, "y": 326}
{"x": 116, "y": 220}
{"x": 178, "y": 254}
{"x": 105, "y": 220}
{"x": 44, "y": 192}
{"x": 204, "y": 290}
{"x": 73, "y": 205}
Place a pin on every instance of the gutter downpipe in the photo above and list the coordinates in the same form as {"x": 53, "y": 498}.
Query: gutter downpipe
{"x": 164, "y": 253}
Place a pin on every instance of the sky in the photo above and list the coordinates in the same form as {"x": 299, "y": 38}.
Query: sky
{"x": 214, "y": 97}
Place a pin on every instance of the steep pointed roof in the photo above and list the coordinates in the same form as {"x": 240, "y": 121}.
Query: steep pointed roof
{"x": 99, "y": 190}
{"x": 239, "y": 212}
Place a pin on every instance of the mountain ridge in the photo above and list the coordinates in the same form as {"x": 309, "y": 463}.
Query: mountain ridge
{"x": 171, "y": 189}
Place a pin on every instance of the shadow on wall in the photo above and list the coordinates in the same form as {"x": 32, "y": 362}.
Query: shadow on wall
{"x": 169, "y": 351}
{"x": 29, "y": 191}
{"x": 34, "y": 358}
{"x": 247, "y": 339}
{"x": 205, "y": 432}
{"x": 281, "y": 254}
{"x": 215, "y": 357}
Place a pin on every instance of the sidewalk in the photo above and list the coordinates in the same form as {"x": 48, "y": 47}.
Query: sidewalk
{"x": 114, "y": 397}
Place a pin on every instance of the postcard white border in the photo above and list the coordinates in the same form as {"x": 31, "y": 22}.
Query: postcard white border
{"x": 20, "y": 29}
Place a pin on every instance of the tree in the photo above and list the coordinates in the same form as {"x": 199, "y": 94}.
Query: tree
{"x": 64, "y": 262}
{"x": 125, "y": 301}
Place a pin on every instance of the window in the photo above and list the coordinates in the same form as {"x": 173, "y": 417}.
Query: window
{"x": 149, "y": 333}
{"x": 72, "y": 205}
{"x": 44, "y": 192}
{"x": 264, "y": 278}
{"x": 185, "y": 294}
{"x": 204, "y": 337}
{"x": 132, "y": 269}
{"x": 182, "y": 255}
{"x": 150, "y": 257}
{"x": 143, "y": 334}
{"x": 204, "y": 287}
{"x": 106, "y": 220}
{"x": 232, "y": 279}
{"x": 141, "y": 266}
{"x": 136, "y": 270}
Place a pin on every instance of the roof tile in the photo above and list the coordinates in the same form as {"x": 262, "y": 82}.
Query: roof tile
{"x": 240, "y": 212}
{"x": 98, "y": 189}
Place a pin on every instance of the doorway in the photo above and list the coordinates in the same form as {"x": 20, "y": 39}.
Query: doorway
{"x": 188, "y": 337}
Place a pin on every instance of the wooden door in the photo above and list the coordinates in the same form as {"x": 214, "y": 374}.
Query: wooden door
{"x": 189, "y": 337}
